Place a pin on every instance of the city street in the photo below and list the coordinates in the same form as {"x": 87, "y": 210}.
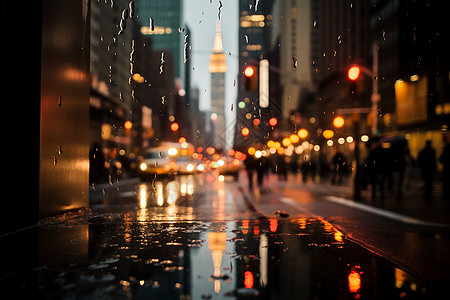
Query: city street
{"x": 196, "y": 237}
{"x": 194, "y": 149}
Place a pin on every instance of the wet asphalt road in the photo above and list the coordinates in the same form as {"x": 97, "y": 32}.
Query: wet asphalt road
{"x": 194, "y": 237}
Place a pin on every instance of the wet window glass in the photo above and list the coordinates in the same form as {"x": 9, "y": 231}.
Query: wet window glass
{"x": 241, "y": 149}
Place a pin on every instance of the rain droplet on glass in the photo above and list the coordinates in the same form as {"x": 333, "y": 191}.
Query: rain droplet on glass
{"x": 220, "y": 9}
{"x": 152, "y": 24}
{"x": 125, "y": 14}
{"x": 122, "y": 26}
{"x": 161, "y": 68}
{"x": 131, "y": 8}
{"x": 295, "y": 61}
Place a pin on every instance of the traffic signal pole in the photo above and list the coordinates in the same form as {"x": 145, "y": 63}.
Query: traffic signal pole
{"x": 375, "y": 97}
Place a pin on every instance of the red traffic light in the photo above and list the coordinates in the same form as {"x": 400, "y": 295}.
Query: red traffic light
{"x": 353, "y": 73}
{"x": 245, "y": 131}
{"x": 273, "y": 122}
{"x": 174, "y": 126}
{"x": 128, "y": 125}
{"x": 249, "y": 71}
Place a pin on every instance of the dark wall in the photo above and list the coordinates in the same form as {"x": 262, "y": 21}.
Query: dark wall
{"x": 21, "y": 71}
{"x": 45, "y": 57}
{"x": 64, "y": 130}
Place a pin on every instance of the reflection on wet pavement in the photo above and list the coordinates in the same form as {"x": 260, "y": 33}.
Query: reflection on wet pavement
{"x": 118, "y": 256}
{"x": 157, "y": 192}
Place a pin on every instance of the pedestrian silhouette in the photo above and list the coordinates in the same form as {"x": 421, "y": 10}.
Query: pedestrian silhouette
{"x": 400, "y": 158}
{"x": 427, "y": 165}
{"x": 260, "y": 169}
{"x": 445, "y": 160}
{"x": 281, "y": 167}
{"x": 250, "y": 166}
{"x": 378, "y": 168}
{"x": 97, "y": 171}
{"x": 308, "y": 169}
{"x": 339, "y": 167}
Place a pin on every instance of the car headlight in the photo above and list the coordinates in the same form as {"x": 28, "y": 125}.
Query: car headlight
{"x": 190, "y": 167}
{"x": 143, "y": 166}
{"x": 221, "y": 162}
{"x": 172, "y": 151}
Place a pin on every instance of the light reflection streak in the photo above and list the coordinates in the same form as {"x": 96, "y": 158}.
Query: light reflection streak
{"x": 302, "y": 223}
{"x": 143, "y": 199}
{"x": 172, "y": 190}
{"x": 354, "y": 282}
{"x": 217, "y": 245}
{"x": 183, "y": 189}
{"x": 219, "y": 202}
{"x": 159, "y": 193}
{"x": 190, "y": 185}
{"x": 245, "y": 224}
{"x": 273, "y": 225}
{"x": 264, "y": 261}
{"x": 339, "y": 237}
{"x": 143, "y": 196}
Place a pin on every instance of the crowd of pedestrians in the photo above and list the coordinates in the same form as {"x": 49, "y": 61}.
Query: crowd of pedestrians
{"x": 388, "y": 168}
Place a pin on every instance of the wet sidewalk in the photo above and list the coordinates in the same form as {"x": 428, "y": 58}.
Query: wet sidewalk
{"x": 413, "y": 203}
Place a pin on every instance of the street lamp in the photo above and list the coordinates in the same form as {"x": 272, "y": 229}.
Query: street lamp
{"x": 302, "y": 133}
{"x": 128, "y": 125}
{"x": 328, "y": 134}
{"x": 338, "y": 122}
{"x": 245, "y": 131}
{"x": 273, "y": 122}
{"x": 174, "y": 127}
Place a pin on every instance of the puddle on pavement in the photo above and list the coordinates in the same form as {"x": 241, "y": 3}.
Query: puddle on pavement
{"x": 247, "y": 259}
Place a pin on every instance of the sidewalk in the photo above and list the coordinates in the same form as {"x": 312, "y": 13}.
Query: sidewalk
{"x": 413, "y": 203}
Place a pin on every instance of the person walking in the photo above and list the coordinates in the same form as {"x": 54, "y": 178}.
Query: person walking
{"x": 339, "y": 167}
{"x": 377, "y": 167}
{"x": 250, "y": 166}
{"x": 260, "y": 169}
{"x": 445, "y": 160}
{"x": 427, "y": 165}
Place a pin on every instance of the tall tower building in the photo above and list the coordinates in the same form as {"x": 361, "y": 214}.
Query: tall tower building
{"x": 162, "y": 21}
{"x": 292, "y": 32}
{"x": 218, "y": 67}
{"x": 255, "y": 23}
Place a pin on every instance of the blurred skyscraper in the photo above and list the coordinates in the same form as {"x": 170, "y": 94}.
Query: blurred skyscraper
{"x": 218, "y": 67}
{"x": 162, "y": 21}
{"x": 255, "y": 22}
